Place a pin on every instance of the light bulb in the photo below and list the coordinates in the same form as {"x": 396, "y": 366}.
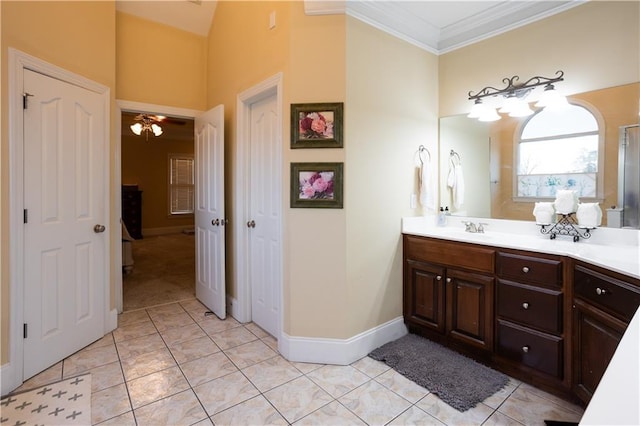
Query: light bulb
{"x": 509, "y": 104}
{"x": 520, "y": 109}
{"x": 136, "y": 128}
{"x": 550, "y": 98}
{"x": 489, "y": 114}
{"x": 477, "y": 110}
{"x": 157, "y": 130}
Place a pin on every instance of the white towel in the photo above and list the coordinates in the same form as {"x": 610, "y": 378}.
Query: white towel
{"x": 589, "y": 215}
{"x": 543, "y": 213}
{"x": 425, "y": 181}
{"x": 566, "y": 201}
{"x": 455, "y": 181}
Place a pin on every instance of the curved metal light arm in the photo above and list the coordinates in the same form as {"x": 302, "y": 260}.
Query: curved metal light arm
{"x": 515, "y": 89}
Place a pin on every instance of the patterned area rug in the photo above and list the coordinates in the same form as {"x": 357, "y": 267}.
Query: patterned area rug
{"x": 63, "y": 403}
{"x": 457, "y": 380}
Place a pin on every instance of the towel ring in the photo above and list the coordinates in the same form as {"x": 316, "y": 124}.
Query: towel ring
{"x": 454, "y": 154}
{"x": 422, "y": 149}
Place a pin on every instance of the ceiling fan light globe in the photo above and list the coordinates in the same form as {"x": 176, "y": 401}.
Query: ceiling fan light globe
{"x": 136, "y": 128}
{"x": 157, "y": 130}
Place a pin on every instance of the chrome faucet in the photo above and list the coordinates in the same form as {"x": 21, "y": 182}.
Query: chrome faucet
{"x": 470, "y": 227}
{"x": 473, "y": 228}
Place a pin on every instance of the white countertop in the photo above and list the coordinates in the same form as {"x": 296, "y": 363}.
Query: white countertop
{"x": 611, "y": 248}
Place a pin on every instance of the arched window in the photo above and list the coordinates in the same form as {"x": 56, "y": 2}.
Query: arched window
{"x": 559, "y": 149}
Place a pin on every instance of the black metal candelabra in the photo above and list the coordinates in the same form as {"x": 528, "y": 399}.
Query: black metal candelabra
{"x": 566, "y": 225}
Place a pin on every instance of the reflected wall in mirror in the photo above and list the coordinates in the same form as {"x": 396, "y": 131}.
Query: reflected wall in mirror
{"x": 488, "y": 157}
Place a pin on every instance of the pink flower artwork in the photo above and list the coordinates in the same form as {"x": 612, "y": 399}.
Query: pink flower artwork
{"x": 316, "y": 125}
{"x": 316, "y": 185}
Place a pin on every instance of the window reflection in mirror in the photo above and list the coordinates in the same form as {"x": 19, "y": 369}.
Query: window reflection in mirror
{"x": 489, "y": 157}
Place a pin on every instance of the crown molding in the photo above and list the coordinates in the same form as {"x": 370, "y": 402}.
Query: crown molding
{"x": 392, "y": 18}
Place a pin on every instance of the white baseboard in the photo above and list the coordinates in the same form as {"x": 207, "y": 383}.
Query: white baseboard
{"x": 149, "y": 232}
{"x": 8, "y": 381}
{"x": 340, "y": 351}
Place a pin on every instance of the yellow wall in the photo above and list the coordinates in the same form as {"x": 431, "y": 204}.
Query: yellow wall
{"x": 146, "y": 164}
{"x": 618, "y": 106}
{"x": 391, "y": 109}
{"x": 158, "y": 64}
{"x": 596, "y": 44}
{"x": 242, "y": 51}
{"x": 77, "y": 36}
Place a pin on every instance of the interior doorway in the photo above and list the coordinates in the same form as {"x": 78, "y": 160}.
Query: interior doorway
{"x": 258, "y": 241}
{"x": 156, "y": 201}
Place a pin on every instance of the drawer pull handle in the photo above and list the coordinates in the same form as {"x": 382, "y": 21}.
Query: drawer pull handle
{"x": 525, "y": 349}
{"x": 448, "y": 280}
{"x": 525, "y": 269}
{"x": 525, "y": 305}
{"x": 600, "y": 291}
{"x": 439, "y": 277}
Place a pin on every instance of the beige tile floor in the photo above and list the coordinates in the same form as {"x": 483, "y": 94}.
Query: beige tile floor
{"x": 170, "y": 364}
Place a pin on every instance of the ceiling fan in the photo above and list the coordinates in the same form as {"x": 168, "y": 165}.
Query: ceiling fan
{"x": 151, "y": 123}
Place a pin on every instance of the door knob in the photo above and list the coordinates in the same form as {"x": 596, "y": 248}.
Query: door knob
{"x": 251, "y": 224}
{"x": 215, "y": 222}
{"x": 98, "y": 229}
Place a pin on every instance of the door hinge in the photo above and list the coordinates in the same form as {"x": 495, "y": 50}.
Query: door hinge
{"x": 24, "y": 330}
{"x": 25, "y": 215}
{"x": 25, "y": 97}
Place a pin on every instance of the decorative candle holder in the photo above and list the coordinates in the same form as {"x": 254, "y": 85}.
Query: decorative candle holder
{"x": 566, "y": 225}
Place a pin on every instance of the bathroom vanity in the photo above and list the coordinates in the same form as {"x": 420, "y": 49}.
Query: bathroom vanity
{"x": 547, "y": 312}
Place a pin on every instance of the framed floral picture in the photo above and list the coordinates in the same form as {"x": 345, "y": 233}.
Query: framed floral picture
{"x": 316, "y": 185}
{"x": 316, "y": 125}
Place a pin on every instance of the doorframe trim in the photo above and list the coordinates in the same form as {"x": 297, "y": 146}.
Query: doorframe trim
{"x": 133, "y": 106}
{"x": 13, "y": 372}
{"x": 269, "y": 87}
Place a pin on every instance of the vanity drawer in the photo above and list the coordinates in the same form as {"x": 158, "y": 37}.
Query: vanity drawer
{"x": 533, "y": 306}
{"x": 448, "y": 253}
{"x": 610, "y": 294}
{"x": 537, "y": 350}
{"x": 529, "y": 269}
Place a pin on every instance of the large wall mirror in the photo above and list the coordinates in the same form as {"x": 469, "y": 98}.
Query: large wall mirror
{"x": 486, "y": 153}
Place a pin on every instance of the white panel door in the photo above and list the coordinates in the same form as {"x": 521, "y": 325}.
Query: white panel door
{"x": 209, "y": 212}
{"x": 265, "y": 244}
{"x": 65, "y": 244}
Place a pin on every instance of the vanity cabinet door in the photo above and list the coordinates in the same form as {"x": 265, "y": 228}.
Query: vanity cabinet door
{"x": 470, "y": 308}
{"x": 596, "y": 336}
{"x": 603, "y": 305}
{"x": 424, "y": 295}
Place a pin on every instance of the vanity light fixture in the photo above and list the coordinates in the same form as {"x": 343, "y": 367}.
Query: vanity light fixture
{"x": 514, "y": 97}
{"x": 145, "y": 124}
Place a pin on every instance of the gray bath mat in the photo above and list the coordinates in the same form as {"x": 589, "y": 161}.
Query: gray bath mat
{"x": 457, "y": 380}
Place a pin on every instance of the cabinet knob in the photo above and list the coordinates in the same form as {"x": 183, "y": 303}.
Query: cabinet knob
{"x": 438, "y": 277}
{"x": 525, "y": 305}
{"x": 600, "y": 291}
{"x": 448, "y": 280}
{"x": 525, "y": 349}
{"x": 525, "y": 269}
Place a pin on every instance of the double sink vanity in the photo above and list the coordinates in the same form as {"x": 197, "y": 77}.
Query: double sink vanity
{"x": 547, "y": 312}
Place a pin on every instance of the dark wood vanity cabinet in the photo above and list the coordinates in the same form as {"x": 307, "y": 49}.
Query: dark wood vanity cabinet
{"x": 549, "y": 320}
{"x": 449, "y": 292}
{"x": 604, "y": 303}
{"x": 529, "y": 314}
